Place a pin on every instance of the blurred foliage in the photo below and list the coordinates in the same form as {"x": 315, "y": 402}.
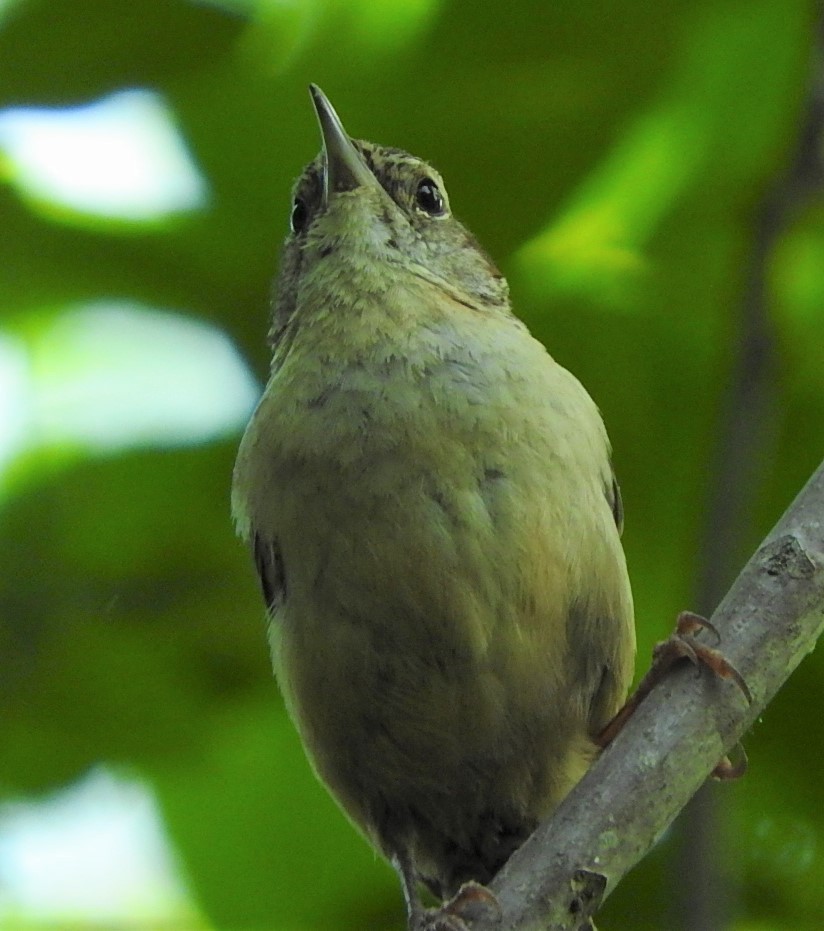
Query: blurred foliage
{"x": 613, "y": 157}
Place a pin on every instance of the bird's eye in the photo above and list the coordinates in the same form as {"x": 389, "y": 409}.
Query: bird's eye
{"x": 429, "y": 198}
{"x": 297, "y": 221}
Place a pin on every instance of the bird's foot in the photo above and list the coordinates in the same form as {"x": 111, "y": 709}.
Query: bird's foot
{"x": 683, "y": 644}
{"x": 472, "y": 905}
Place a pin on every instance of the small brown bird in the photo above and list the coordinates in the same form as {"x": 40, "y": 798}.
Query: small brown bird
{"x": 435, "y": 522}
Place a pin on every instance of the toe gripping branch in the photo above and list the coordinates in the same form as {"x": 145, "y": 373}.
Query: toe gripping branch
{"x": 682, "y": 644}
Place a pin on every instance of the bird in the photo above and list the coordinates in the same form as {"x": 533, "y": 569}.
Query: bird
{"x": 433, "y": 514}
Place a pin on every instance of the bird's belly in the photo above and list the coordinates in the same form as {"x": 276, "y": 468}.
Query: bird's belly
{"x": 384, "y": 641}
{"x": 435, "y": 539}
{"x": 422, "y": 658}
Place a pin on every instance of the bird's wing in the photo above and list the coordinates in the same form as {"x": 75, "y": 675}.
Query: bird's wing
{"x": 269, "y": 564}
{"x": 613, "y": 494}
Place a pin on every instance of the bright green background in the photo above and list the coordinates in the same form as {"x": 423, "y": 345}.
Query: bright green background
{"x": 612, "y": 156}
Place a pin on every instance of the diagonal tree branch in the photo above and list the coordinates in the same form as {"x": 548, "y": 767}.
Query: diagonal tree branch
{"x": 769, "y": 621}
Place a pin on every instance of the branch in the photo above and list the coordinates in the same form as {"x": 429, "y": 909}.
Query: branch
{"x": 769, "y": 620}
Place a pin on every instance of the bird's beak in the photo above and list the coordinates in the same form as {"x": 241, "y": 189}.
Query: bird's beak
{"x": 345, "y": 167}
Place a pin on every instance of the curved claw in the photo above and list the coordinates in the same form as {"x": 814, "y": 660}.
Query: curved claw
{"x": 689, "y": 623}
{"x": 683, "y": 645}
{"x": 729, "y": 769}
{"x": 722, "y": 667}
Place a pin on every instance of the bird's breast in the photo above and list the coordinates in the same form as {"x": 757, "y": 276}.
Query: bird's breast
{"x": 436, "y": 499}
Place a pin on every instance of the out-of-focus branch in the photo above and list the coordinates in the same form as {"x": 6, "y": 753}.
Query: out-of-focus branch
{"x": 743, "y": 450}
{"x": 746, "y": 404}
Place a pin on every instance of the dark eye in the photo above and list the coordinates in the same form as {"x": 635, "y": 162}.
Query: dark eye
{"x": 299, "y": 213}
{"x": 429, "y": 198}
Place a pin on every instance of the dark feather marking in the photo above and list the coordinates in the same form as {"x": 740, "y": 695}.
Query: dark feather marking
{"x": 320, "y": 400}
{"x": 590, "y": 663}
{"x": 489, "y": 487}
{"x": 443, "y": 503}
{"x": 601, "y": 701}
{"x": 269, "y": 563}
{"x": 614, "y": 498}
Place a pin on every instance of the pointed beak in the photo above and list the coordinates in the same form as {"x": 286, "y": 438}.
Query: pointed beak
{"x": 345, "y": 167}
